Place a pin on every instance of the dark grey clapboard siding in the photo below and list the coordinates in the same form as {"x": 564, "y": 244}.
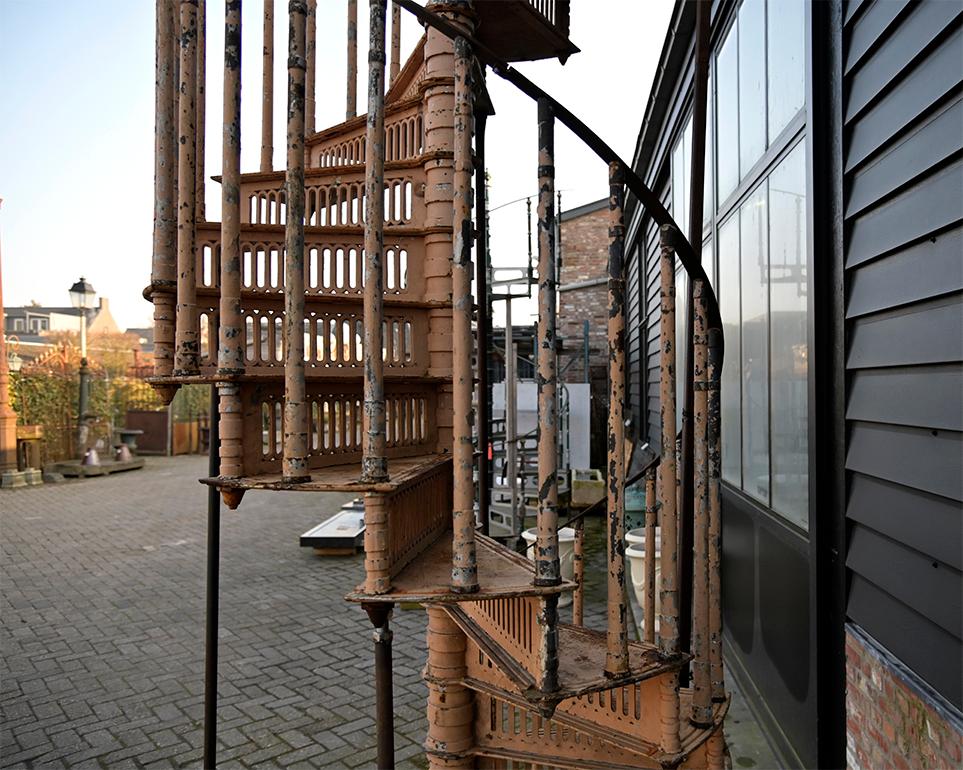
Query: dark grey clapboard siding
{"x": 903, "y": 203}
{"x": 652, "y": 304}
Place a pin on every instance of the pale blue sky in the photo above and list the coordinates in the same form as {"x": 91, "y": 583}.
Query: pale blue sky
{"x": 76, "y": 141}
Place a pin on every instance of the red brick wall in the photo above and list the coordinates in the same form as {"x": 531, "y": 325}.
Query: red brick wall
{"x": 890, "y": 724}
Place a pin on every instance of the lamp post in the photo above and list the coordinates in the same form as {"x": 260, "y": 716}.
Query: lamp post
{"x": 82, "y": 297}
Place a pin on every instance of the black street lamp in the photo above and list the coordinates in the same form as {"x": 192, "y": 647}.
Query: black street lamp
{"x": 82, "y": 296}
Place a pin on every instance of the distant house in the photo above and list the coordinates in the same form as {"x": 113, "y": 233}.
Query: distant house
{"x": 31, "y": 325}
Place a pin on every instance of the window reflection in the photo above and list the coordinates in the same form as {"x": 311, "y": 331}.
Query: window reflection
{"x": 752, "y": 83}
{"x": 728, "y": 293}
{"x": 727, "y": 115}
{"x": 785, "y": 58}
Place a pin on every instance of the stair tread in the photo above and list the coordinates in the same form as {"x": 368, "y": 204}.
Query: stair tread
{"x": 313, "y": 374}
{"x": 339, "y": 478}
{"x": 501, "y": 573}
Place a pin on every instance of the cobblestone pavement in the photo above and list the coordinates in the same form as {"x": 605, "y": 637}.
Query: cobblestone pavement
{"x": 103, "y": 626}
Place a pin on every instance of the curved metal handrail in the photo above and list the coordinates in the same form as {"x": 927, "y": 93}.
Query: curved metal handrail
{"x": 646, "y": 197}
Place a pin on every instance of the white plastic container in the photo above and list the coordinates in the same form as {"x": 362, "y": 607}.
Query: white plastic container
{"x": 635, "y": 554}
{"x": 566, "y": 556}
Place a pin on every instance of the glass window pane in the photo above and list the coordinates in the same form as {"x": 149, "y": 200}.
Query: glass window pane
{"x": 708, "y": 263}
{"x": 755, "y": 346}
{"x": 729, "y": 290}
{"x": 687, "y": 170}
{"x": 679, "y": 185}
{"x": 681, "y": 309}
{"x": 727, "y": 116}
{"x": 752, "y": 84}
{"x": 707, "y": 169}
{"x": 788, "y": 284}
{"x": 787, "y": 76}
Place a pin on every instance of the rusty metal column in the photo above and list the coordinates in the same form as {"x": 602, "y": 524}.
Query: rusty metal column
{"x": 200, "y": 193}
{"x": 230, "y": 351}
{"x": 374, "y": 465}
{"x": 380, "y": 617}
{"x": 617, "y": 651}
{"x": 294, "y": 466}
{"x": 701, "y": 715}
{"x": 395, "y": 43}
{"x": 669, "y": 614}
{"x": 164, "y": 258}
{"x": 651, "y": 514}
{"x": 352, "y": 77}
{"x": 451, "y": 705}
{"x": 186, "y": 332}
{"x": 310, "y": 76}
{"x": 464, "y": 569}
{"x": 267, "y": 90}
{"x": 578, "y": 568}
{"x": 714, "y": 436}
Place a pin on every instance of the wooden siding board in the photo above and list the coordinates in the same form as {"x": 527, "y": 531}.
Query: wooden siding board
{"x": 928, "y": 269}
{"x": 933, "y": 204}
{"x": 870, "y": 28}
{"x": 924, "y": 333}
{"x": 934, "y": 142}
{"x": 909, "y": 39}
{"x": 914, "y": 457}
{"x": 926, "y": 648}
{"x": 918, "y": 91}
{"x": 930, "y": 524}
{"x": 924, "y": 396}
{"x": 915, "y": 579}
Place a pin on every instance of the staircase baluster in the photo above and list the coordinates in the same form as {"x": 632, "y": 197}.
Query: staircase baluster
{"x": 230, "y": 355}
{"x": 164, "y": 257}
{"x": 352, "y": 72}
{"x": 701, "y": 715}
{"x": 395, "y": 43}
{"x": 374, "y": 465}
{"x": 200, "y": 134}
{"x": 294, "y": 467}
{"x": 267, "y": 89}
{"x": 617, "y": 655}
{"x": 464, "y": 569}
{"x": 651, "y": 514}
{"x": 669, "y": 614}
{"x": 186, "y": 331}
{"x": 714, "y": 372}
{"x": 310, "y": 76}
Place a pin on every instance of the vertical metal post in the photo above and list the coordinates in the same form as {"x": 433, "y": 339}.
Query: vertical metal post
{"x": 701, "y": 715}
{"x": 669, "y": 615}
{"x": 617, "y": 653}
{"x": 267, "y": 90}
{"x": 294, "y": 466}
{"x": 585, "y": 351}
{"x": 374, "y": 465}
{"x": 651, "y": 513}
{"x": 482, "y": 318}
{"x": 164, "y": 258}
{"x": 352, "y": 76}
{"x": 380, "y": 617}
{"x": 310, "y": 75}
{"x": 201, "y": 135}
{"x": 395, "y": 43}
{"x": 511, "y": 420}
{"x": 578, "y": 568}
{"x": 451, "y": 708}
{"x": 464, "y": 569}
{"x": 713, "y": 405}
{"x": 230, "y": 351}
{"x": 186, "y": 355}
{"x": 213, "y": 578}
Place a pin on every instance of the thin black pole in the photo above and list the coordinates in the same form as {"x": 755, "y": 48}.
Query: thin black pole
{"x": 484, "y": 320}
{"x": 380, "y": 615}
{"x": 213, "y": 577}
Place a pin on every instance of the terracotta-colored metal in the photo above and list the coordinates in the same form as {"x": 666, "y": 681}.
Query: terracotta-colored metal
{"x": 578, "y": 568}
{"x": 230, "y": 357}
{"x": 267, "y": 89}
{"x": 714, "y": 421}
{"x": 716, "y": 750}
{"x": 546, "y": 379}
{"x": 164, "y": 258}
{"x": 669, "y": 615}
{"x": 701, "y": 714}
{"x": 352, "y": 72}
{"x": 199, "y": 180}
{"x": 616, "y": 661}
{"x": 464, "y": 568}
{"x": 651, "y": 516}
{"x": 294, "y": 467}
{"x": 451, "y": 707}
{"x": 310, "y": 75}
{"x": 186, "y": 353}
{"x": 374, "y": 465}
{"x": 395, "y": 66}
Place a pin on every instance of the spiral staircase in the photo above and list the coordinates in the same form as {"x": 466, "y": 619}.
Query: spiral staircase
{"x": 283, "y": 307}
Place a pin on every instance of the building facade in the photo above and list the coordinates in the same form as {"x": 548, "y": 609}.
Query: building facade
{"x": 833, "y": 213}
